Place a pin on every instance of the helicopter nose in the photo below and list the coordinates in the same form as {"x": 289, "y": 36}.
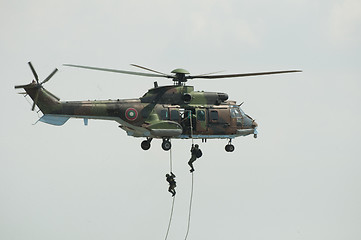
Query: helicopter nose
{"x": 247, "y": 121}
{"x": 254, "y": 124}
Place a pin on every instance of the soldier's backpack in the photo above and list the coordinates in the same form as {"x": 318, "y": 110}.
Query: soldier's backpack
{"x": 199, "y": 153}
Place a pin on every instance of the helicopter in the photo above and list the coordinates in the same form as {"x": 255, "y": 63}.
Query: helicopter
{"x": 168, "y": 112}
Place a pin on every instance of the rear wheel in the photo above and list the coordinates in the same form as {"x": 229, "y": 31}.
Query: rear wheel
{"x": 145, "y": 145}
{"x": 166, "y": 145}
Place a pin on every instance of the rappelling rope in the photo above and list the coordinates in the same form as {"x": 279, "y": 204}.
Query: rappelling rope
{"x": 191, "y": 200}
{"x": 190, "y": 209}
{"x": 170, "y": 159}
{"x": 171, "y": 211}
{"x": 170, "y": 218}
{"x": 191, "y": 121}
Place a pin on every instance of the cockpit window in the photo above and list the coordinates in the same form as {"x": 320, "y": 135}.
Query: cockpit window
{"x": 242, "y": 113}
{"x": 236, "y": 112}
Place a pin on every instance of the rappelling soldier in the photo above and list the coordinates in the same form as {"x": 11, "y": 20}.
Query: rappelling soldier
{"x": 195, "y": 153}
{"x": 172, "y": 183}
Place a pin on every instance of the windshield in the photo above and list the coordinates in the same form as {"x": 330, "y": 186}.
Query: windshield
{"x": 236, "y": 112}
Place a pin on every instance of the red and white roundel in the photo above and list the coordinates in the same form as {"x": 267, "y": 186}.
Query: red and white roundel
{"x": 131, "y": 114}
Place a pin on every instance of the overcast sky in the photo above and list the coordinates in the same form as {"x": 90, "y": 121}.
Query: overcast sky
{"x": 300, "y": 179}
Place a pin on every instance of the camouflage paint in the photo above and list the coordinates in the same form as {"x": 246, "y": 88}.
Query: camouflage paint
{"x": 142, "y": 117}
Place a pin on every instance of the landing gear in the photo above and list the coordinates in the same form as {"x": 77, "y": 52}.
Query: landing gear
{"x": 166, "y": 145}
{"x": 145, "y": 145}
{"x": 229, "y": 147}
{"x": 255, "y": 131}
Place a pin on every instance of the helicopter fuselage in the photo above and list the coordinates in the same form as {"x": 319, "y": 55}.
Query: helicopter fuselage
{"x": 165, "y": 112}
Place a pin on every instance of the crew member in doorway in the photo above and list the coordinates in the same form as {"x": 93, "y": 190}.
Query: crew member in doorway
{"x": 195, "y": 153}
{"x": 172, "y": 183}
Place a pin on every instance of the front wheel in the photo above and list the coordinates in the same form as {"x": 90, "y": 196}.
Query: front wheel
{"x": 229, "y": 148}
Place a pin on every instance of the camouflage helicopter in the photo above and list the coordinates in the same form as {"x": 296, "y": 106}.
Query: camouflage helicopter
{"x": 164, "y": 112}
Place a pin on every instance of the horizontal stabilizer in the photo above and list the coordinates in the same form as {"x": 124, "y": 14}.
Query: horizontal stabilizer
{"x": 54, "y": 119}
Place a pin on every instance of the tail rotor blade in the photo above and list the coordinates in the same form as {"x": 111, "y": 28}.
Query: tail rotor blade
{"x": 35, "y": 101}
{"x": 50, "y": 76}
{"x": 33, "y": 107}
{"x": 34, "y": 72}
{"x": 21, "y": 86}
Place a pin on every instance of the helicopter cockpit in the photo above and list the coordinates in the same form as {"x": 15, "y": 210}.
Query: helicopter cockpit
{"x": 243, "y": 120}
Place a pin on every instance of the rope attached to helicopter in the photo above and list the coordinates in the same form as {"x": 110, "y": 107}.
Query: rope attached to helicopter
{"x": 192, "y": 186}
{"x": 191, "y": 124}
{"x": 170, "y": 218}
{"x": 172, "y": 208}
{"x": 190, "y": 208}
{"x": 191, "y": 199}
{"x": 170, "y": 160}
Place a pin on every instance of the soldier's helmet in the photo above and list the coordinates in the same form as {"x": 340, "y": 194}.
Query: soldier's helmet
{"x": 167, "y": 175}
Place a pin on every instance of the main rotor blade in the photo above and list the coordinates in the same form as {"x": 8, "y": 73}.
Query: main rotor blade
{"x": 241, "y": 74}
{"x": 206, "y": 74}
{"x": 116, "y": 71}
{"x": 151, "y": 70}
{"x": 34, "y": 72}
{"x": 50, "y": 76}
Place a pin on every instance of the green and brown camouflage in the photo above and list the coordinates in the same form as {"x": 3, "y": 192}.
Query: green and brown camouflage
{"x": 166, "y": 112}
{"x": 162, "y": 112}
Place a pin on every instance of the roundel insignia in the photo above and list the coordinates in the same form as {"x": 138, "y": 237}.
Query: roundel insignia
{"x": 131, "y": 114}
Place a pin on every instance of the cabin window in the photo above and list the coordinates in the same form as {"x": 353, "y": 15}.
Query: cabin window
{"x": 201, "y": 115}
{"x": 174, "y": 115}
{"x": 164, "y": 114}
{"x": 214, "y": 116}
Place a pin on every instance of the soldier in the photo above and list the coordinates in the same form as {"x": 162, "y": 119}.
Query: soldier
{"x": 172, "y": 183}
{"x": 189, "y": 122}
{"x": 195, "y": 153}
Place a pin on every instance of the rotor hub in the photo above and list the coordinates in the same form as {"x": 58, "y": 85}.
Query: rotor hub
{"x": 180, "y": 70}
{"x": 180, "y": 75}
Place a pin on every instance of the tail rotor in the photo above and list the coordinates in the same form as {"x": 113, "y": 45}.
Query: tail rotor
{"x": 37, "y": 84}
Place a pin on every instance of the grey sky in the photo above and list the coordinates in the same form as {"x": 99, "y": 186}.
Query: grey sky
{"x": 300, "y": 179}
